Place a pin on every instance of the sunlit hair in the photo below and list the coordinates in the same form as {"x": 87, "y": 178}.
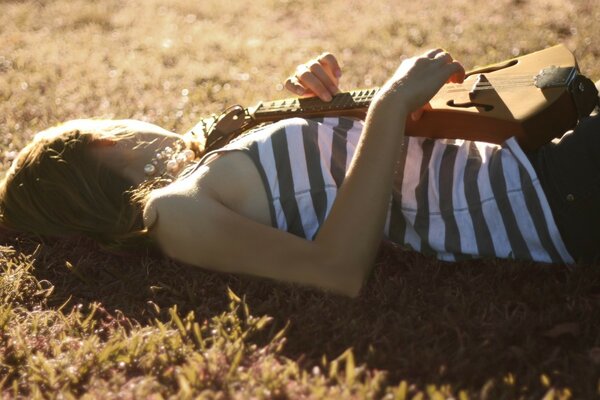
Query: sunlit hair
{"x": 55, "y": 188}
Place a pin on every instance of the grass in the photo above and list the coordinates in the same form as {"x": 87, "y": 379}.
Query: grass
{"x": 76, "y": 321}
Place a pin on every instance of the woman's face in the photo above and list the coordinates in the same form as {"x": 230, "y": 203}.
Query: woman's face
{"x": 129, "y": 154}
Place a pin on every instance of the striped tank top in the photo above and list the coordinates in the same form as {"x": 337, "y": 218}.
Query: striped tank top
{"x": 453, "y": 199}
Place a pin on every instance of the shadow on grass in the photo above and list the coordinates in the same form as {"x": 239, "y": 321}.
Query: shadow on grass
{"x": 419, "y": 319}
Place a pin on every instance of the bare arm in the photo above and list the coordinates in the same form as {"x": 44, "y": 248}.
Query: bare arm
{"x": 193, "y": 227}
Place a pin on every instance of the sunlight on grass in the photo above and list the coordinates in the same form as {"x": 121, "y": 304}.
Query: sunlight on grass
{"x": 76, "y": 321}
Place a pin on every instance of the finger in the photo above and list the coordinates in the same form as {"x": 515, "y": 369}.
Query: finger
{"x": 329, "y": 61}
{"x": 443, "y": 57}
{"x": 416, "y": 115}
{"x": 457, "y": 72}
{"x": 324, "y": 76}
{"x": 309, "y": 81}
{"x": 292, "y": 85}
{"x": 433, "y": 52}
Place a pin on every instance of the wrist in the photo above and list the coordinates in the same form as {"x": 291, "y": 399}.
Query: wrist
{"x": 389, "y": 108}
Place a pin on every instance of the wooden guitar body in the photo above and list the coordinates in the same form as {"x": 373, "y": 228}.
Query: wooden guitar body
{"x": 535, "y": 98}
{"x": 502, "y": 100}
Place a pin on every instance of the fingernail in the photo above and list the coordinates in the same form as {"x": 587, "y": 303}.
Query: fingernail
{"x": 299, "y": 91}
{"x": 338, "y": 73}
{"x": 327, "y": 97}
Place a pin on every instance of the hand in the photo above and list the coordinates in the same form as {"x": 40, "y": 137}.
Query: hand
{"x": 418, "y": 79}
{"x": 318, "y": 77}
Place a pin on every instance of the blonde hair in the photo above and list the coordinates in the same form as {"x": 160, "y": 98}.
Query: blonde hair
{"x": 55, "y": 188}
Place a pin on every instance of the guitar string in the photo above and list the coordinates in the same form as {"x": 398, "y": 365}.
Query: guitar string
{"x": 505, "y": 78}
{"x": 499, "y": 83}
{"x": 357, "y": 101}
{"x": 448, "y": 88}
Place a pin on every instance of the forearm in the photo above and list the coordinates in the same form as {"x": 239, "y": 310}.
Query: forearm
{"x": 353, "y": 230}
{"x": 354, "y": 227}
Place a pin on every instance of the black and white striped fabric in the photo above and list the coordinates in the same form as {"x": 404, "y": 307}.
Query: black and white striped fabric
{"x": 454, "y": 199}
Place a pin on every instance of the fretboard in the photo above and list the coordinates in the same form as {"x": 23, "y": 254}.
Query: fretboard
{"x": 286, "y": 108}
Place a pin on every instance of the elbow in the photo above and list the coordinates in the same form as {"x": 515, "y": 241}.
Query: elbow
{"x": 351, "y": 291}
{"x": 344, "y": 277}
{"x": 345, "y": 268}
{"x": 354, "y": 282}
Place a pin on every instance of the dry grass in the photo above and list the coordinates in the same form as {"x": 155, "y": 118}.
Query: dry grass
{"x": 76, "y": 321}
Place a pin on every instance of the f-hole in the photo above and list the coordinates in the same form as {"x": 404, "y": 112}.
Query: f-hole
{"x": 469, "y": 104}
{"x": 492, "y": 68}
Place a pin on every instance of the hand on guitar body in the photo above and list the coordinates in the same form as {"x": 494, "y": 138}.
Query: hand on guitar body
{"x": 418, "y": 76}
{"x": 417, "y": 80}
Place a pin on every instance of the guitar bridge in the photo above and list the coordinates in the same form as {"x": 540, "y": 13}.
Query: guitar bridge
{"x": 481, "y": 83}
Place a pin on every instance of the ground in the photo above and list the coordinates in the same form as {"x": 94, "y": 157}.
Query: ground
{"x": 78, "y": 321}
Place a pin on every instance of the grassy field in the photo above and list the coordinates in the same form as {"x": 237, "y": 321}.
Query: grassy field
{"x": 76, "y": 321}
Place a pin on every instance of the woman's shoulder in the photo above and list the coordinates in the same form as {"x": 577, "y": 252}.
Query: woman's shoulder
{"x": 229, "y": 178}
{"x": 162, "y": 200}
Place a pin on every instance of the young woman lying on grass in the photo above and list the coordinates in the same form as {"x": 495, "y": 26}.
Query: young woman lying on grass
{"x": 129, "y": 183}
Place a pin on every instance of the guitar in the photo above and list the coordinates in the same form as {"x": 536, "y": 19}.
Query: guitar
{"x": 535, "y": 97}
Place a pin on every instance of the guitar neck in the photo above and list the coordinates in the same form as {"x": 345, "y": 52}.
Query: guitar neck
{"x": 346, "y": 103}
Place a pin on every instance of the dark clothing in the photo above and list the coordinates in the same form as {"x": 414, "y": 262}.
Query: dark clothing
{"x": 569, "y": 172}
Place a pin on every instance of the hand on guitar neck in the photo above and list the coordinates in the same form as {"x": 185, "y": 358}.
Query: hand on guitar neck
{"x": 318, "y": 77}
